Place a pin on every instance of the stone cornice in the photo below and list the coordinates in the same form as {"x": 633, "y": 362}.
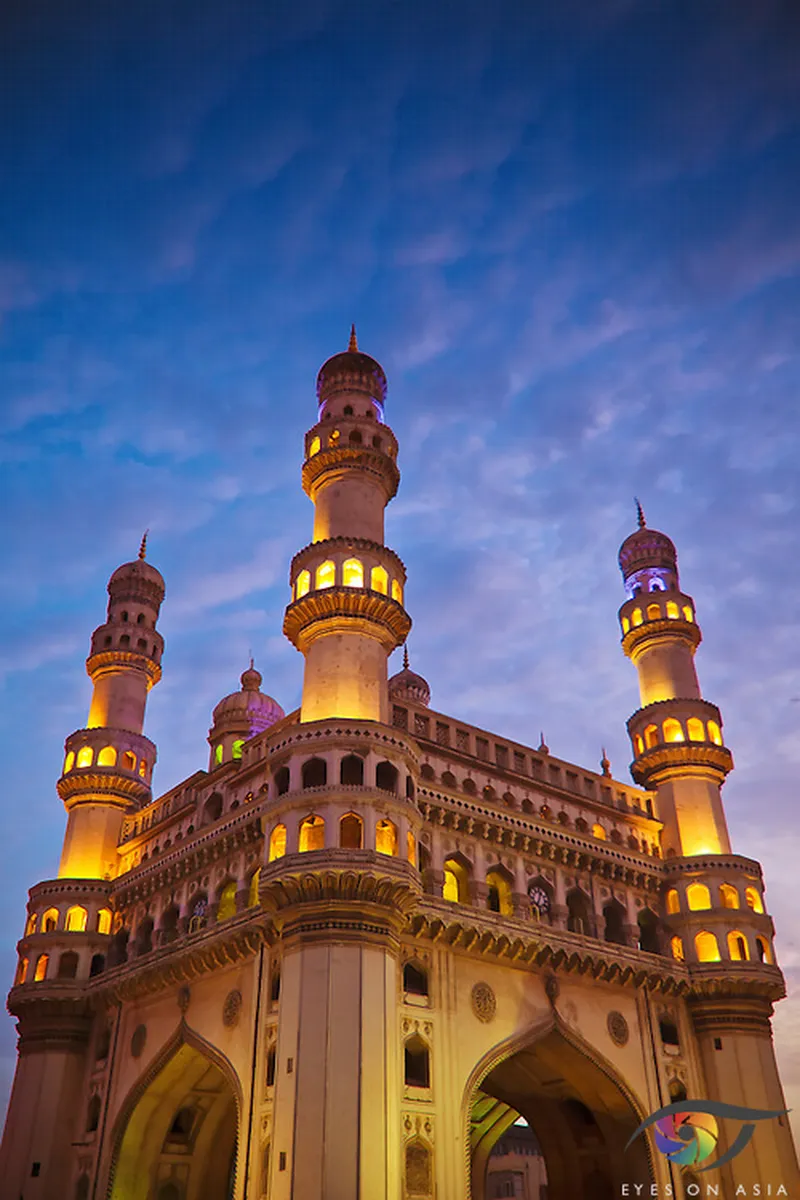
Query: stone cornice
{"x": 111, "y": 660}
{"x": 661, "y": 630}
{"x": 665, "y": 762}
{"x": 346, "y": 610}
{"x": 344, "y": 458}
{"x": 341, "y": 732}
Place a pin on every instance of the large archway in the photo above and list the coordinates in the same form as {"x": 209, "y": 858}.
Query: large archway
{"x": 581, "y": 1115}
{"x": 176, "y": 1137}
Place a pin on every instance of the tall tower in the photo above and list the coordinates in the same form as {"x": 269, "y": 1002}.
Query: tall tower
{"x": 340, "y": 871}
{"x": 347, "y": 612}
{"x": 713, "y": 900}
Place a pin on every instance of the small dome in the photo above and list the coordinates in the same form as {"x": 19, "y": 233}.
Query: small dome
{"x": 136, "y": 576}
{"x": 249, "y": 711}
{"x": 351, "y": 371}
{"x": 646, "y": 548}
{"x": 407, "y": 685}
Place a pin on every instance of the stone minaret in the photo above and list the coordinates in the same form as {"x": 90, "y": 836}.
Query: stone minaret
{"x": 109, "y": 765}
{"x": 714, "y": 913}
{"x": 347, "y": 613}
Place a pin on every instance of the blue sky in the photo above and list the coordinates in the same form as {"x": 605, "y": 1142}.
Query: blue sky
{"x": 569, "y": 233}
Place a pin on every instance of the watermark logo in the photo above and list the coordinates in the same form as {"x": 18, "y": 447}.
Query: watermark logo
{"x": 687, "y": 1132}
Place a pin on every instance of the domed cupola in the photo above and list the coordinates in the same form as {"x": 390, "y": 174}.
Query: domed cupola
{"x": 241, "y": 716}
{"x": 407, "y": 685}
{"x": 352, "y": 373}
{"x": 648, "y": 559}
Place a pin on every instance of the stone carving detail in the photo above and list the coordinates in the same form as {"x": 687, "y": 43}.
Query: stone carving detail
{"x": 418, "y": 1170}
{"x": 484, "y": 1002}
{"x": 618, "y": 1028}
{"x": 232, "y": 1008}
{"x": 552, "y": 988}
{"x": 138, "y": 1040}
{"x": 184, "y": 996}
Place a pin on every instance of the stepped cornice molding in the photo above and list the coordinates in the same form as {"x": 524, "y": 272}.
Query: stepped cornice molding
{"x": 340, "y": 460}
{"x": 346, "y": 610}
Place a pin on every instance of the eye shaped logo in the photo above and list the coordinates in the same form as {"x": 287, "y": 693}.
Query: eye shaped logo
{"x": 687, "y": 1132}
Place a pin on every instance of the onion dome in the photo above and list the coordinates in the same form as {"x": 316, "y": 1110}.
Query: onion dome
{"x": 646, "y": 548}
{"x": 351, "y": 371}
{"x": 137, "y": 580}
{"x": 249, "y": 711}
{"x": 407, "y": 685}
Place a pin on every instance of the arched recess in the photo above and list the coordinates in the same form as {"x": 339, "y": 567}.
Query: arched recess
{"x": 581, "y": 1112}
{"x": 189, "y": 1076}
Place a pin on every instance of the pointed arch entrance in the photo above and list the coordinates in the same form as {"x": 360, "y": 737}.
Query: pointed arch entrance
{"x": 579, "y": 1109}
{"x": 177, "y": 1135}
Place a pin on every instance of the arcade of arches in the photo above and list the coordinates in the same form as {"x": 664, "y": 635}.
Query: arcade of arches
{"x": 179, "y": 1140}
{"x": 580, "y": 1117}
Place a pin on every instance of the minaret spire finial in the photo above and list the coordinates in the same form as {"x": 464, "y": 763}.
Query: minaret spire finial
{"x": 640, "y": 514}
{"x": 405, "y": 657}
{"x": 353, "y": 346}
{"x": 143, "y": 546}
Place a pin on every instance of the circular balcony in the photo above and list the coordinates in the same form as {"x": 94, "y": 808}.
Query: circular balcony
{"x": 346, "y": 610}
{"x": 107, "y": 762}
{"x": 670, "y": 735}
{"x": 657, "y": 614}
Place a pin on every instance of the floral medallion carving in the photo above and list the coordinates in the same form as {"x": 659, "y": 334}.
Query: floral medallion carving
{"x": 232, "y": 1008}
{"x": 138, "y": 1040}
{"x": 484, "y": 1002}
{"x": 618, "y": 1028}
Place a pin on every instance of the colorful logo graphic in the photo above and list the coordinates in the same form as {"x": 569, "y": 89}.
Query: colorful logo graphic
{"x": 687, "y": 1132}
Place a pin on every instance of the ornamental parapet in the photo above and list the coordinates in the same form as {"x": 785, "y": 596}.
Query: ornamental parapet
{"x": 339, "y": 460}
{"x": 675, "y": 733}
{"x": 663, "y": 763}
{"x": 107, "y": 762}
{"x": 106, "y": 662}
{"x": 346, "y": 610}
{"x": 340, "y": 733}
{"x": 337, "y": 548}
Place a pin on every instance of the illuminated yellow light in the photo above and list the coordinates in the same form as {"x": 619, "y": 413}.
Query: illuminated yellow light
{"x": 698, "y": 897}
{"x": 653, "y": 612}
{"x": 353, "y": 573}
{"x": 313, "y": 447}
{"x": 636, "y": 617}
{"x": 673, "y": 612}
{"x": 41, "y": 968}
{"x": 715, "y": 733}
{"x": 765, "y": 949}
{"x": 672, "y": 730}
{"x": 107, "y": 757}
{"x": 334, "y": 437}
{"x": 729, "y": 897}
{"x": 688, "y": 615}
{"x": 227, "y": 901}
{"x": 129, "y": 760}
{"x": 738, "y": 950}
{"x": 326, "y": 575}
{"x": 312, "y": 834}
{"x": 277, "y": 843}
{"x": 754, "y": 901}
{"x": 302, "y": 584}
{"x": 104, "y": 921}
{"x": 677, "y": 949}
{"x": 625, "y": 624}
{"x": 386, "y": 838}
{"x": 651, "y": 736}
{"x": 694, "y": 727}
{"x": 50, "y": 918}
{"x": 22, "y": 970}
{"x": 673, "y": 901}
{"x": 236, "y": 748}
{"x": 599, "y": 832}
{"x": 706, "y": 947}
{"x": 639, "y": 744}
{"x": 503, "y": 889}
{"x": 85, "y": 756}
{"x": 379, "y": 580}
{"x": 411, "y": 848}
{"x": 450, "y": 887}
{"x": 397, "y": 591}
{"x": 218, "y": 752}
{"x": 69, "y": 761}
{"x": 76, "y": 919}
{"x": 142, "y": 767}
{"x": 252, "y": 895}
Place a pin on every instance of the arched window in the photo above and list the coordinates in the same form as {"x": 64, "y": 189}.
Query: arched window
{"x": 275, "y": 984}
{"x": 728, "y": 896}
{"x": 351, "y": 770}
{"x": 673, "y": 732}
{"x": 168, "y": 929}
{"x": 302, "y": 585}
{"x": 212, "y": 809}
{"x": 93, "y": 1114}
{"x": 85, "y": 756}
{"x": 456, "y": 882}
{"x": 581, "y": 825}
{"x": 737, "y": 947}
{"x": 676, "y": 945}
{"x": 282, "y": 781}
{"x": 277, "y": 842}
{"x": 50, "y": 920}
{"x": 107, "y": 757}
{"x": 379, "y": 580}
{"x": 218, "y": 752}
{"x": 599, "y": 832}
{"x": 97, "y": 965}
{"x": 314, "y": 773}
{"x": 669, "y": 1033}
{"x": 695, "y": 730}
{"x": 41, "y": 968}
{"x": 326, "y": 575}
{"x": 753, "y": 898}
{"x": 351, "y": 832}
{"x": 648, "y": 931}
{"x": 698, "y": 897}
{"x": 69, "y": 761}
{"x": 763, "y": 950}
{"x": 76, "y": 919}
{"x": 578, "y": 911}
{"x": 415, "y": 979}
{"x": 227, "y": 901}
{"x": 614, "y": 916}
{"x": 22, "y": 971}
{"x": 119, "y": 948}
{"x": 636, "y": 617}
{"x": 419, "y": 1173}
{"x": 688, "y": 615}
{"x": 353, "y": 573}
{"x": 651, "y": 736}
{"x": 673, "y": 901}
{"x": 397, "y": 591}
{"x": 673, "y": 612}
{"x": 355, "y": 437}
{"x": 67, "y": 965}
{"x": 144, "y": 936}
{"x": 252, "y": 893}
{"x": 625, "y": 625}
{"x": 386, "y": 837}
{"x": 125, "y": 640}
{"x": 448, "y": 779}
{"x": 417, "y": 1063}
{"x": 499, "y": 897}
{"x": 706, "y": 947}
{"x": 411, "y": 848}
{"x": 386, "y": 777}
{"x": 540, "y": 895}
{"x": 30, "y": 925}
{"x": 180, "y": 1131}
{"x": 653, "y": 612}
{"x": 271, "y": 1057}
{"x": 312, "y": 834}
{"x": 314, "y": 446}
{"x": 129, "y": 760}
{"x": 236, "y": 748}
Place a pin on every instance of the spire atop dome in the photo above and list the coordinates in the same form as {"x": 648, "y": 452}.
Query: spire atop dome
{"x": 353, "y": 344}
{"x": 143, "y": 546}
{"x": 250, "y": 679}
{"x": 405, "y": 657}
{"x": 543, "y": 746}
{"x": 640, "y": 514}
{"x": 408, "y": 685}
{"x": 605, "y": 765}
